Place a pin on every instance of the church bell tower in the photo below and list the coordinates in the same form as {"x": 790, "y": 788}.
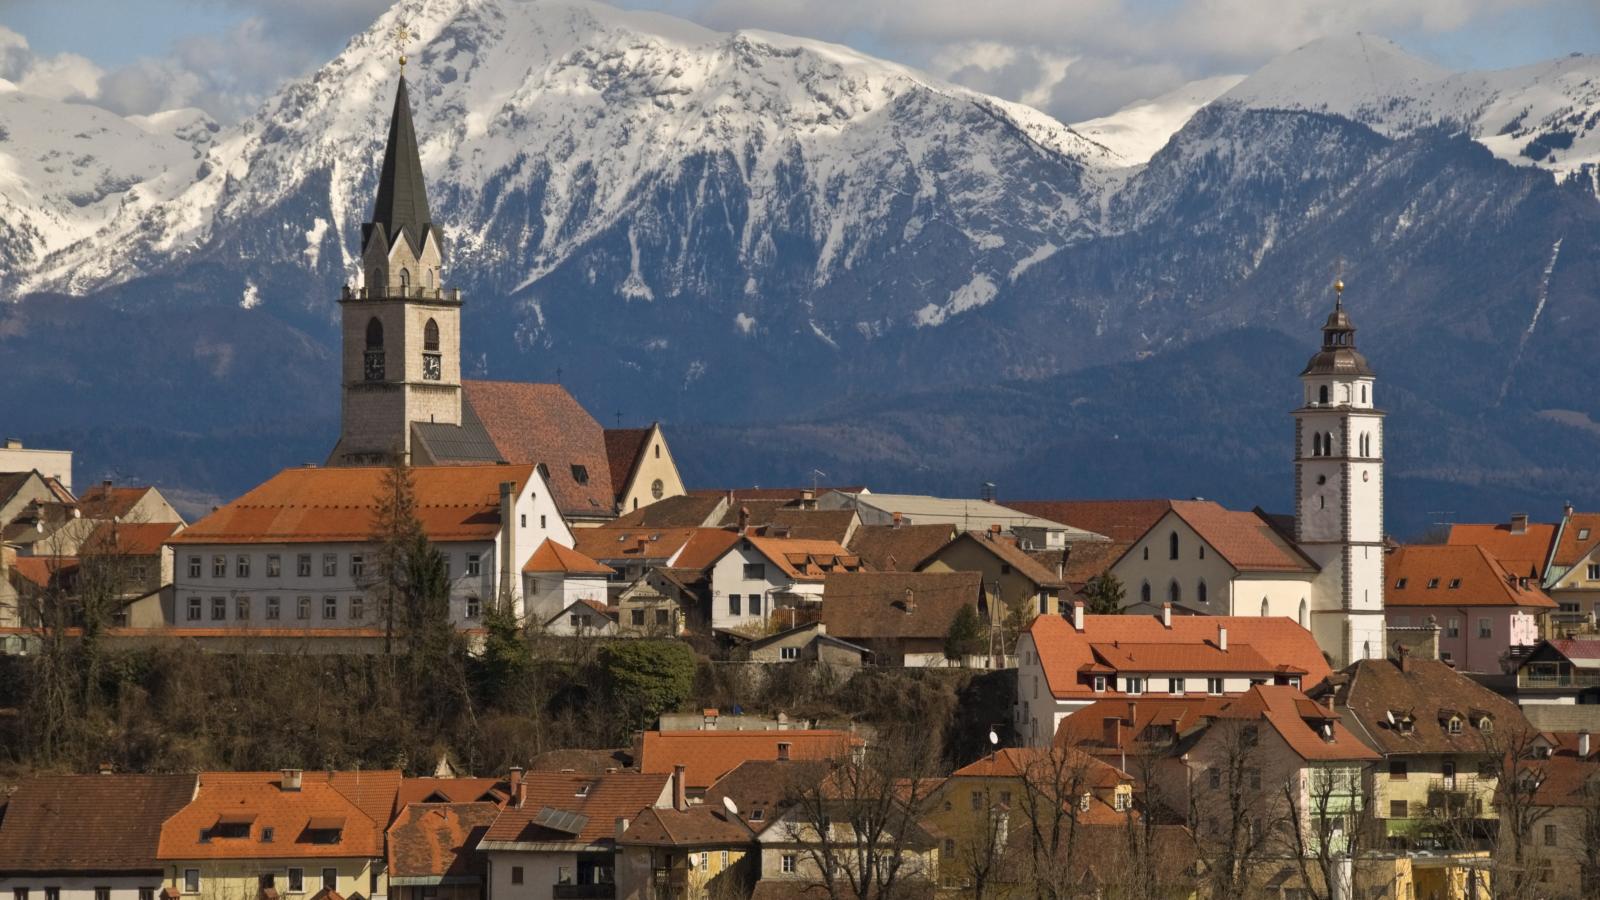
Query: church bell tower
{"x": 1339, "y": 493}
{"x": 402, "y": 328}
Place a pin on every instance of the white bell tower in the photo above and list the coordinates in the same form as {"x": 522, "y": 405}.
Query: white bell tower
{"x": 1338, "y": 467}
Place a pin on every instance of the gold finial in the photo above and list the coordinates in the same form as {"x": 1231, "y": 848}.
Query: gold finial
{"x": 400, "y": 36}
{"x": 1338, "y": 283}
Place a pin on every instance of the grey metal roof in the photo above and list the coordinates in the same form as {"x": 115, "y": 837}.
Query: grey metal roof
{"x": 964, "y": 514}
{"x": 402, "y": 205}
{"x": 467, "y": 442}
{"x": 560, "y": 820}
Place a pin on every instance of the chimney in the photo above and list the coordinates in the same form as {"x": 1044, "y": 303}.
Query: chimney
{"x": 1166, "y": 616}
{"x": 508, "y": 541}
{"x": 1403, "y": 653}
{"x": 516, "y": 785}
{"x": 899, "y": 519}
{"x": 744, "y": 518}
{"x": 1222, "y": 639}
{"x": 994, "y": 531}
{"x": 622, "y": 826}
{"x": 783, "y": 750}
{"x": 1519, "y": 523}
{"x": 1567, "y": 510}
{"x": 13, "y": 444}
{"x": 1583, "y": 744}
{"x": 680, "y": 791}
{"x": 911, "y": 601}
{"x": 291, "y": 779}
{"x": 1077, "y": 615}
{"x": 808, "y": 499}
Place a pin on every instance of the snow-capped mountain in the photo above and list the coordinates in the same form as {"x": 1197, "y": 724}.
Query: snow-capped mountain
{"x": 748, "y": 227}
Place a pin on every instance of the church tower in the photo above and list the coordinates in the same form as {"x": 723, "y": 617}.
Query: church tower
{"x": 1338, "y": 467}
{"x": 402, "y": 329}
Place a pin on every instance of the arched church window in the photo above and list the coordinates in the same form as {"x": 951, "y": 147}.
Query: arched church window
{"x": 374, "y": 334}
{"x": 429, "y": 273}
{"x": 1200, "y": 592}
{"x": 1316, "y": 444}
{"x": 405, "y": 281}
{"x": 1263, "y": 607}
{"x": 1304, "y": 613}
{"x": 1322, "y": 395}
{"x": 430, "y": 336}
{"x": 1172, "y": 545}
{"x": 1363, "y": 393}
{"x": 1322, "y": 502}
{"x": 1144, "y": 592}
{"x": 372, "y": 360}
{"x": 1174, "y": 592}
{"x": 1327, "y": 442}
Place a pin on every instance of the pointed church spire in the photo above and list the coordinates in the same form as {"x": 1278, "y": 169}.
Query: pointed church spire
{"x": 402, "y": 205}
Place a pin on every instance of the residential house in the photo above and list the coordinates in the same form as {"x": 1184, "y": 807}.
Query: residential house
{"x": 809, "y": 642}
{"x": 583, "y": 618}
{"x": 87, "y": 837}
{"x": 1572, "y": 577}
{"x": 643, "y": 471}
{"x": 632, "y": 551}
{"x": 1560, "y": 671}
{"x": 297, "y": 553}
{"x": 701, "y": 509}
{"x": 21, "y": 489}
{"x": 903, "y": 618}
{"x": 1524, "y": 548}
{"x": 761, "y": 789}
{"x": 555, "y": 577}
{"x": 1202, "y": 558}
{"x": 1441, "y": 737}
{"x": 558, "y": 836}
{"x": 1559, "y": 812}
{"x": 1031, "y": 532}
{"x": 135, "y": 504}
{"x": 1065, "y": 665}
{"x": 664, "y": 601}
{"x": 899, "y": 547}
{"x": 709, "y": 755}
{"x": 54, "y": 464}
{"x": 755, "y": 575}
{"x": 856, "y": 823}
{"x": 292, "y": 832}
{"x": 135, "y": 561}
{"x": 1012, "y": 580}
{"x": 685, "y": 852}
{"x": 433, "y": 851}
{"x": 1484, "y": 610}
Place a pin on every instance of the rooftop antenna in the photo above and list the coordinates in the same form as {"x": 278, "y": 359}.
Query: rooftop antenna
{"x": 558, "y": 374}
{"x": 816, "y": 478}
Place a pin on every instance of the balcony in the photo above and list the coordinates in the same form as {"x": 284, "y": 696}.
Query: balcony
{"x": 583, "y": 891}
{"x": 1557, "y": 680}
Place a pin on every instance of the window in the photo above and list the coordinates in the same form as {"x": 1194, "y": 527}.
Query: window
{"x": 789, "y": 653}
{"x": 1398, "y": 769}
{"x": 1201, "y": 593}
{"x": 1452, "y": 627}
{"x": 788, "y": 863}
{"x": 302, "y": 608}
{"x": 755, "y": 604}
{"x": 430, "y": 336}
{"x": 52, "y": 893}
{"x": 757, "y": 814}
{"x": 474, "y": 564}
{"x": 242, "y": 566}
{"x": 274, "y": 565}
{"x": 303, "y": 565}
{"x": 194, "y": 567}
{"x": 274, "y": 608}
{"x": 1202, "y": 551}
{"x": 474, "y": 608}
{"x": 1397, "y": 809}
{"x": 657, "y": 489}
{"x": 147, "y": 893}
{"x": 580, "y": 473}
{"x": 1455, "y": 584}
{"x": 1485, "y": 629}
{"x": 219, "y": 609}
{"x": 1549, "y": 835}
{"x": 1322, "y": 394}
{"x": 1433, "y": 583}
{"x": 1455, "y": 725}
{"x": 1147, "y": 553}
{"x": 1175, "y": 685}
{"x": 663, "y": 617}
{"x": 219, "y": 566}
{"x": 1172, "y": 545}
{"x": 1214, "y": 778}
{"x": 330, "y": 607}
{"x": 1594, "y": 571}
{"x": 1099, "y": 683}
{"x": 516, "y": 874}
{"x": 1174, "y": 593}
{"x": 267, "y": 834}
{"x": 733, "y": 604}
{"x": 1583, "y": 534}
{"x": 330, "y": 879}
{"x": 194, "y": 609}
{"x": 358, "y": 608}
{"x": 1133, "y": 685}
{"x": 638, "y": 618}
{"x": 405, "y": 285}
{"x": 755, "y": 571}
{"x": 1305, "y": 614}
{"x": 1144, "y": 592}
{"x": 242, "y": 609}
{"x": 445, "y": 558}
{"x": 358, "y": 565}
{"x": 522, "y": 520}
{"x": 1213, "y": 685}
{"x": 1263, "y": 607}
{"x": 330, "y": 565}
{"x": 191, "y": 881}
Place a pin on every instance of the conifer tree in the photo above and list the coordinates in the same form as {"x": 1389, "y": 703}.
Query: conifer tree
{"x": 396, "y": 531}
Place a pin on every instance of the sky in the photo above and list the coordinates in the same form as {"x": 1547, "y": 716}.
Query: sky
{"x": 1074, "y": 59}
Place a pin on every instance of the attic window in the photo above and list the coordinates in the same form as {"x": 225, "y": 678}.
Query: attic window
{"x": 582, "y": 791}
{"x": 1455, "y": 725}
{"x": 1583, "y": 534}
{"x": 757, "y": 814}
{"x": 1400, "y": 584}
{"x": 580, "y": 474}
{"x": 1433, "y": 583}
{"x": 1486, "y": 725}
{"x": 1455, "y": 584}
{"x": 266, "y": 834}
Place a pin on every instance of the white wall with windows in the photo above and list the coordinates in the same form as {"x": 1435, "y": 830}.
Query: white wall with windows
{"x": 67, "y": 886}
{"x": 744, "y": 584}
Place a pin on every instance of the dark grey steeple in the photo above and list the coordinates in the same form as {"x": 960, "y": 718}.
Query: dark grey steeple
{"x": 402, "y": 207}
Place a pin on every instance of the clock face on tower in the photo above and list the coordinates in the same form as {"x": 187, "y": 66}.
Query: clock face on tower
{"x": 430, "y": 366}
{"x": 373, "y": 368}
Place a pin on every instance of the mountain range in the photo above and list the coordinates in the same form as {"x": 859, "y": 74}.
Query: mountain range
{"x": 801, "y": 257}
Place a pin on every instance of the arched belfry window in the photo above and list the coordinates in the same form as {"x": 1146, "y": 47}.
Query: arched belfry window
{"x": 430, "y": 335}
{"x": 405, "y": 281}
{"x": 372, "y": 368}
{"x": 1327, "y": 442}
{"x": 430, "y": 277}
{"x": 1363, "y": 393}
{"x": 1322, "y": 395}
{"x": 374, "y": 334}
{"x": 432, "y": 368}
{"x": 1172, "y": 545}
{"x": 1264, "y": 608}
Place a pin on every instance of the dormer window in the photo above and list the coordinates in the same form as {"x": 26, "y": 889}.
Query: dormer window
{"x": 1455, "y": 725}
{"x": 1400, "y": 584}
{"x": 582, "y": 791}
{"x": 1455, "y": 584}
{"x": 1486, "y": 725}
{"x": 1099, "y": 684}
{"x": 1583, "y": 534}
{"x": 1433, "y": 583}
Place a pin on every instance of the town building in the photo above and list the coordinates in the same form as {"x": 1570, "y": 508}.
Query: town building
{"x": 1560, "y": 671}
{"x": 809, "y": 642}
{"x": 52, "y": 464}
{"x": 1572, "y": 578}
{"x": 432, "y": 851}
{"x": 1557, "y": 810}
{"x": 709, "y": 755}
{"x": 1065, "y": 665}
{"x": 899, "y": 547}
{"x": 755, "y": 575}
{"x": 686, "y": 851}
{"x": 1011, "y": 578}
{"x": 1484, "y": 611}
{"x": 904, "y": 618}
{"x": 297, "y": 552}
{"x": 555, "y": 577}
{"x": 642, "y": 469}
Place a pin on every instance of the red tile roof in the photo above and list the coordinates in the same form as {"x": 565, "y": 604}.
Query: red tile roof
{"x": 1312, "y": 731}
{"x": 1245, "y": 539}
{"x": 763, "y": 788}
{"x": 454, "y": 503}
{"x": 801, "y": 559}
{"x": 109, "y": 501}
{"x": 452, "y": 790}
{"x": 1374, "y": 690}
{"x": 534, "y": 424}
{"x": 684, "y": 511}
{"x": 624, "y": 446}
{"x": 552, "y": 557}
{"x": 130, "y": 538}
{"x": 40, "y": 571}
{"x": 711, "y": 754}
{"x": 644, "y": 544}
{"x": 697, "y": 826}
{"x": 1014, "y": 762}
{"x": 1123, "y": 521}
{"x": 600, "y": 800}
{"x": 865, "y": 606}
{"x": 1067, "y": 654}
{"x": 1449, "y": 575}
{"x": 705, "y": 547}
{"x": 63, "y": 823}
{"x": 361, "y": 803}
{"x": 431, "y": 840}
{"x": 1523, "y": 553}
{"x": 1580, "y": 532}
{"x": 888, "y": 548}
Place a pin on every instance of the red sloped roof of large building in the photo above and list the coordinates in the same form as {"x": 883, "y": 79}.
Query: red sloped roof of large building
{"x": 104, "y": 501}
{"x": 359, "y": 805}
{"x": 534, "y": 424}
{"x": 1523, "y": 553}
{"x": 624, "y": 446}
{"x": 1450, "y": 575}
{"x": 1246, "y": 540}
{"x": 131, "y": 538}
{"x": 600, "y": 800}
{"x": 705, "y": 547}
{"x": 1123, "y": 521}
{"x": 453, "y": 503}
{"x": 552, "y": 557}
{"x": 440, "y": 839}
{"x": 708, "y": 755}
{"x": 61, "y": 823}
{"x": 1579, "y": 534}
{"x": 1066, "y": 654}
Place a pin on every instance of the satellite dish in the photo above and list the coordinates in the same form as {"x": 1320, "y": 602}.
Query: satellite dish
{"x": 994, "y": 738}
{"x": 1390, "y": 715}
{"x": 730, "y": 805}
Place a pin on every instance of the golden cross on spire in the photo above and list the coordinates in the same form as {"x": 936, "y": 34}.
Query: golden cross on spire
{"x": 400, "y": 36}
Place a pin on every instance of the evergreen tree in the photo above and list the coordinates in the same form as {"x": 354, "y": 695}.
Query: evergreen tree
{"x": 967, "y": 636}
{"x": 1103, "y": 595}
{"x": 396, "y": 531}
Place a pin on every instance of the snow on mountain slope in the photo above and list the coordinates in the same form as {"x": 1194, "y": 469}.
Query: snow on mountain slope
{"x": 587, "y": 108}
{"x": 67, "y": 169}
{"x": 1546, "y": 114}
{"x": 1135, "y": 132}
